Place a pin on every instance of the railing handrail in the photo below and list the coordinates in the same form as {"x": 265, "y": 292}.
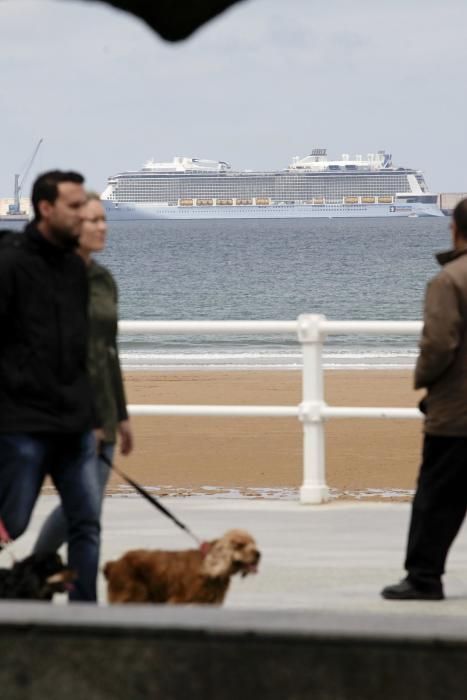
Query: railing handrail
{"x": 252, "y": 411}
{"x": 311, "y": 331}
{"x": 325, "y": 326}
{"x": 207, "y": 327}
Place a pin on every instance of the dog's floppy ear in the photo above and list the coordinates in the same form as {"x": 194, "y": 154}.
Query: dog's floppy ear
{"x": 218, "y": 561}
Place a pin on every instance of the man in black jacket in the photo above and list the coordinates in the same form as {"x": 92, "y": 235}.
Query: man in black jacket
{"x": 45, "y": 398}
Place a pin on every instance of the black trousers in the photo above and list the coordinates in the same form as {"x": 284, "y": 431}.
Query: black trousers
{"x": 438, "y": 509}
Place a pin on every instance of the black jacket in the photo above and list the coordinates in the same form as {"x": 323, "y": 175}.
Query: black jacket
{"x": 44, "y": 386}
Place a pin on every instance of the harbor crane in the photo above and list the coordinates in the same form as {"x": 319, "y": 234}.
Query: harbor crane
{"x": 15, "y": 208}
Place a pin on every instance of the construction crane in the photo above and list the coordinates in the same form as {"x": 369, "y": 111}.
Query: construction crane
{"x": 15, "y": 208}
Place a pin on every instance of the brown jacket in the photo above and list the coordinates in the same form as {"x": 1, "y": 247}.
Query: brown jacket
{"x": 442, "y": 363}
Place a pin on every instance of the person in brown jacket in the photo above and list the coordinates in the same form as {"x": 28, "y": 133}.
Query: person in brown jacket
{"x": 440, "y": 501}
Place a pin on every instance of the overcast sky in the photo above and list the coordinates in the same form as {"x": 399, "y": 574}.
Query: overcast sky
{"x": 267, "y": 80}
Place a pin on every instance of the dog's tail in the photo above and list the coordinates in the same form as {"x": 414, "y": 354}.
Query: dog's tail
{"x": 108, "y": 568}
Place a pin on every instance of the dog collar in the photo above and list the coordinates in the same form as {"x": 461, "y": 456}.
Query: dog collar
{"x": 204, "y": 548}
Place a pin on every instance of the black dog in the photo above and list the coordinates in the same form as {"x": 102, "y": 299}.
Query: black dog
{"x": 37, "y": 577}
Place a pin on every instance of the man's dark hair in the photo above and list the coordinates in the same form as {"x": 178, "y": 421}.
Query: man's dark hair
{"x": 459, "y": 216}
{"x": 46, "y": 187}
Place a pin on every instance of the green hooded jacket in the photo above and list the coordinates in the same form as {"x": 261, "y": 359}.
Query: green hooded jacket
{"x": 103, "y": 362}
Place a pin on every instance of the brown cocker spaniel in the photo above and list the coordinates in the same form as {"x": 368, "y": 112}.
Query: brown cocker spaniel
{"x": 190, "y": 576}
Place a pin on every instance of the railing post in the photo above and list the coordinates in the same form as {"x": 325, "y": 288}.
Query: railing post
{"x": 314, "y": 489}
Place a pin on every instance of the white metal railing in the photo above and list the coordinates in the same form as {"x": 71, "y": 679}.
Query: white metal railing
{"x": 311, "y": 331}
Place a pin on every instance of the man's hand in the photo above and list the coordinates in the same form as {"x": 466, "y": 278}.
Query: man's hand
{"x": 126, "y": 437}
{"x": 99, "y": 438}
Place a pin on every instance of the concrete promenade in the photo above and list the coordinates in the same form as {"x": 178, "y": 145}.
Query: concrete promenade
{"x": 333, "y": 557}
{"x": 310, "y": 624}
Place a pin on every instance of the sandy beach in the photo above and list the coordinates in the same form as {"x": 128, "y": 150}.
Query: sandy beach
{"x": 185, "y": 453}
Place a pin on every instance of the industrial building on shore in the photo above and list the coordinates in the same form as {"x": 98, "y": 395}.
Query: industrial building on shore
{"x": 6, "y": 202}
{"x": 448, "y": 200}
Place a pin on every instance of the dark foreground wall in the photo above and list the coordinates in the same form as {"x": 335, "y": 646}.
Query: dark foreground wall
{"x": 129, "y": 653}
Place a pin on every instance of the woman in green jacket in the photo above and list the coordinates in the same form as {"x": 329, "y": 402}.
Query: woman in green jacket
{"x": 104, "y": 370}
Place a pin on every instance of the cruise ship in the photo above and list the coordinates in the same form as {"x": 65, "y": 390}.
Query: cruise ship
{"x": 313, "y": 186}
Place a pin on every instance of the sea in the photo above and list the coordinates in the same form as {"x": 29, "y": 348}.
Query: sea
{"x": 346, "y": 269}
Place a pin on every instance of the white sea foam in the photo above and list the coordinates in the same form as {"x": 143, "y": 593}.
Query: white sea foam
{"x": 352, "y": 359}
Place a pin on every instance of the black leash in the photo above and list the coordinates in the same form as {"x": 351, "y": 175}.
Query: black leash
{"x": 157, "y": 504}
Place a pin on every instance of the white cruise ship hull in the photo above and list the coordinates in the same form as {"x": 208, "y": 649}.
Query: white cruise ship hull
{"x": 135, "y": 211}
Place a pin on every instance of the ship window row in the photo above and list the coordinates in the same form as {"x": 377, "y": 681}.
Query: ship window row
{"x": 224, "y": 186}
{"x": 228, "y": 187}
{"x": 259, "y": 178}
{"x": 282, "y": 191}
{"x": 328, "y": 200}
{"x": 289, "y": 175}
{"x": 329, "y": 197}
{"x": 251, "y": 177}
{"x": 164, "y": 196}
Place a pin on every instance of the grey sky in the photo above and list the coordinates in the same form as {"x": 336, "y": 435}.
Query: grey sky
{"x": 267, "y": 80}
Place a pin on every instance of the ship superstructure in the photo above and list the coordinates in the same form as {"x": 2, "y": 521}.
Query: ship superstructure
{"x": 313, "y": 186}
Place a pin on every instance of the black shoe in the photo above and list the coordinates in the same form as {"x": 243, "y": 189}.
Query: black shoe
{"x": 405, "y": 590}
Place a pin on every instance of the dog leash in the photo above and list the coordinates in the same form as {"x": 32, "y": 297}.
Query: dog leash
{"x": 152, "y": 499}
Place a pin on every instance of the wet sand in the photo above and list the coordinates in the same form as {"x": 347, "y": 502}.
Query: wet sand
{"x": 188, "y": 453}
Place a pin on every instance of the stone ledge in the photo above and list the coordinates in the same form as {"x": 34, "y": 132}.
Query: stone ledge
{"x": 139, "y": 652}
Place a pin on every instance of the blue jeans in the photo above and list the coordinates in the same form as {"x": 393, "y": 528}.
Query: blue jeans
{"x": 54, "y": 531}
{"x": 25, "y": 459}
